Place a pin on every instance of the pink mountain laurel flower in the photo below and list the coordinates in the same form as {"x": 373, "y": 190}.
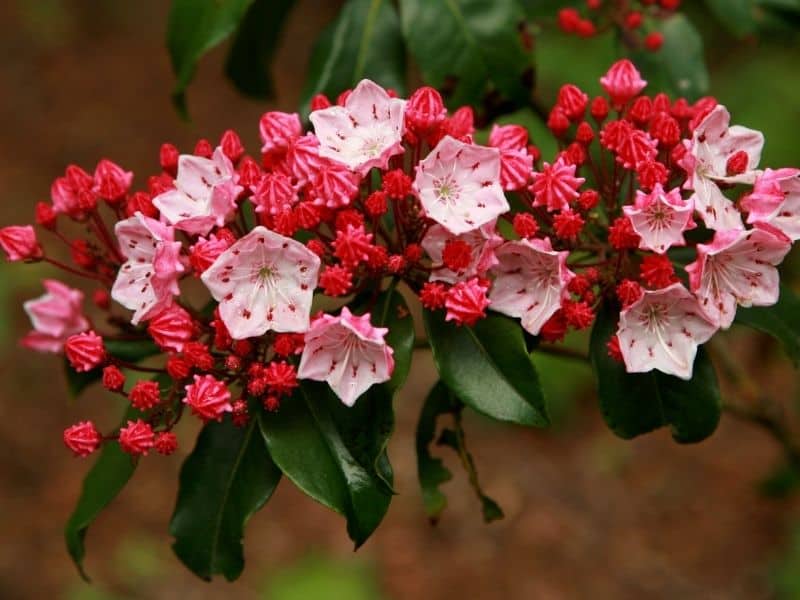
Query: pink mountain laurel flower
{"x": 738, "y": 268}
{"x": 775, "y": 199}
{"x": 660, "y": 218}
{"x": 208, "y": 398}
{"x": 148, "y": 280}
{"x": 482, "y": 243}
{"x": 204, "y": 195}
{"x": 264, "y": 282}
{"x": 458, "y": 185}
{"x": 82, "y": 438}
{"x": 55, "y": 316}
{"x": 364, "y": 133}
{"x": 530, "y": 282}
{"x": 85, "y": 351}
{"x": 714, "y": 143}
{"x": 622, "y": 82}
{"x": 516, "y": 165}
{"x": 348, "y": 353}
{"x": 556, "y": 185}
{"x": 661, "y": 330}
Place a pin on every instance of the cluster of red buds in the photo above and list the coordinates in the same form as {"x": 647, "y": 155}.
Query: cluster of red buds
{"x": 637, "y": 20}
{"x": 652, "y": 207}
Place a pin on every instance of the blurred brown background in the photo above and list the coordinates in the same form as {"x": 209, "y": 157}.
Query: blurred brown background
{"x": 587, "y": 515}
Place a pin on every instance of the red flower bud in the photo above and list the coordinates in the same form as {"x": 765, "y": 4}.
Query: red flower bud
{"x": 85, "y": 351}
{"x": 82, "y": 438}
{"x": 136, "y": 438}
{"x": 19, "y": 243}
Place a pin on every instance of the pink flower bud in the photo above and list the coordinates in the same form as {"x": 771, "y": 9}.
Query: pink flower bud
{"x": 171, "y": 328}
{"x": 320, "y": 102}
{"x": 85, "y": 351}
{"x": 111, "y": 182}
{"x": 425, "y": 111}
{"x": 113, "y": 378}
{"x": 144, "y": 395}
{"x": 166, "y": 443}
{"x": 19, "y": 243}
{"x": 622, "y": 82}
{"x": 136, "y": 438}
{"x": 208, "y": 398}
{"x": 168, "y": 158}
{"x": 82, "y": 438}
{"x": 45, "y": 215}
{"x": 231, "y": 145}
{"x": 572, "y": 101}
{"x": 278, "y": 129}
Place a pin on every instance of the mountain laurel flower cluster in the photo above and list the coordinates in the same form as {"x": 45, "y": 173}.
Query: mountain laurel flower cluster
{"x": 252, "y": 286}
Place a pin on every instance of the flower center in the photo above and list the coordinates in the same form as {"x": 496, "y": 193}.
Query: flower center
{"x": 446, "y": 189}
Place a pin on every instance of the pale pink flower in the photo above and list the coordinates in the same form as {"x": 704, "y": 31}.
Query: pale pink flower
{"x": 263, "y": 282}
{"x": 347, "y": 352}
{"x": 55, "y": 316}
{"x": 661, "y": 330}
{"x": 775, "y": 199}
{"x": 204, "y": 195}
{"x": 556, "y": 185}
{"x": 660, "y": 218}
{"x": 148, "y": 280}
{"x": 482, "y": 242}
{"x": 738, "y": 267}
{"x": 530, "y": 281}
{"x": 458, "y": 185}
{"x": 365, "y": 132}
{"x": 713, "y": 145}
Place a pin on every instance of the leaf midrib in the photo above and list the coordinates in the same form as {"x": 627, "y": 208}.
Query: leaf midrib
{"x": 224, "y": 501}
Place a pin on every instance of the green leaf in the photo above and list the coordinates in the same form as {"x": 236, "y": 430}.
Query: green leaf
{"x": 228, "y": 476}
{"x": 431, "y": 470}
{"x": 194, "y": 27}
{"x": 461, "y": 45}
{"x": 131, "y": 350}
{"x": 488, "y": 367}
{"x": 679, "y": 67}
{"x": 781, "y": 321}
{"x": 737, "y": 16}
{"x": 255, "y": 42}
{"x": 637, "y": 403}
{"x": 328, "y": 458}
{"x": 109, "y": 474}
{"x": 363, "y": 42}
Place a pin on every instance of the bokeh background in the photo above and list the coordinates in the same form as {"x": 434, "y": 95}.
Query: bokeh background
{"x": 587, "y": 514}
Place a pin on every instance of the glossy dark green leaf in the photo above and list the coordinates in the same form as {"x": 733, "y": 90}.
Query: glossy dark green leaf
{"x": 328, "y": 458}
{"x": 463, "y": 45}
{"x": 430, "y": 469}
{"x": 194, "y": 27}
{"x": 737, "y": 16}
{"x": 636, "y": 403}
{"x": 679, "y": 67}
{"x": 131, "y": 350}
{"x": 228, "y": 476}
{"x": 488, "y": 367}
{"x": 363, "y": 42}
{"x": 781, "y": 321}
{"x": 105, "y": 480}
{"x": 253, "y": 46}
